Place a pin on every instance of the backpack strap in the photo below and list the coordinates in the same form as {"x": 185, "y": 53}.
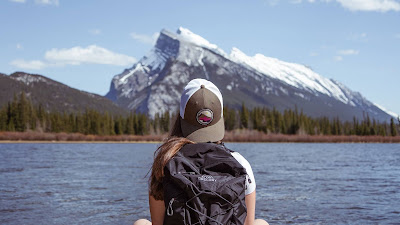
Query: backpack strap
{"x": 227, "y": 149}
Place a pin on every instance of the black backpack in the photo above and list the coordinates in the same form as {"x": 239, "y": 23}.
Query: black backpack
{"x": 204, "y": 185}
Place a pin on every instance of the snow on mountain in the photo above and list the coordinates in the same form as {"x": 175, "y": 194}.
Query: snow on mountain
{"x": 294, "y": 74}
{"x": 153, "y": 84}
{"x": 28, "y": 78}
{"x": 393, "y": 114}
{"x": 297, "y": 75}
{"x": 195, "y": 39}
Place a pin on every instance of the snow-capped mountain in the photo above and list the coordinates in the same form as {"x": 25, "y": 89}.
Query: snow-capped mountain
{"x": 154, "y": 84}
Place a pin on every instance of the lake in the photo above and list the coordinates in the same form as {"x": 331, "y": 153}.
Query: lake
{"x": 107, "y": 183}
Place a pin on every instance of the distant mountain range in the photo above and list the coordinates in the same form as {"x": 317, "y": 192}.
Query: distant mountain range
{"x": 155, "y": 82}
{"x": 52, "y": 95}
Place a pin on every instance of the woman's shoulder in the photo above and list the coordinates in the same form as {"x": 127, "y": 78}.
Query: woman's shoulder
{"x": 242, "y": 160}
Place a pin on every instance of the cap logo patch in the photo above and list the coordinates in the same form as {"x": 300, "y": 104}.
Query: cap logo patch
{"x": 205, "y": 116}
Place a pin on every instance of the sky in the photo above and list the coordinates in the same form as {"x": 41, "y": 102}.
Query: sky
{"x": 84, "y": 44}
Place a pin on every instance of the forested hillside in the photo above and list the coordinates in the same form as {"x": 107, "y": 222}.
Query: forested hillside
{"x": 21, "y": 115}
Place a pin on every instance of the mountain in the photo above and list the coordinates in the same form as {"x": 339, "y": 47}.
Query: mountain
{"x": 155, "y": 82}
{"x": 52, "y": 95}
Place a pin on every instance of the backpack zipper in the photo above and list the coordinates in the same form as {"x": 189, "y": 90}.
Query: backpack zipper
{"x": 170, "y": 211}
{"x": 190, "y": 173}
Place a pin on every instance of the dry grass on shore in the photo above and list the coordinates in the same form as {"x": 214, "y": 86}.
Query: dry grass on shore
{"x": 230, "y": 136}
{"x": 75, "y": 137}
{"x": 256, "y": 136}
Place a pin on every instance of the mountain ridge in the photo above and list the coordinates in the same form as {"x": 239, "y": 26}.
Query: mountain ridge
{"x": 257, "y": 81}
{"x": 53, "y": 95}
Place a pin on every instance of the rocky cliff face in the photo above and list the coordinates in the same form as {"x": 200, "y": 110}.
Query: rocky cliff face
{"x": 154, "y": 84}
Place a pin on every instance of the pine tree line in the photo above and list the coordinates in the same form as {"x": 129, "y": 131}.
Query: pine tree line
{"x": 21, "y": 115}
{"x": 294, "y": 122}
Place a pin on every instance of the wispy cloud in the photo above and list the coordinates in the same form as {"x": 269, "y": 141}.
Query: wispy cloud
{"x": 30, "y": 65}
{"x": 95, "y": 31}
{"x": 370, "y": 5}
{"x": 146, "y": 39}
{"x": 300, "y": 1}
{"x": 91, "y": 55}
{"x": 18, "y": 1}
{"x": 312, "y": 54}
{"x": 47, "y": 2}
{"x": 348, "y": 52}
{"x": 40, "y": 2}
{"x": 76, "y": 56}
{"x": 397, "y": 36}
{"x": 338, "y": 58}
{"x": 360, "y": 5}
{"x": 271, "y": 2}
{"x": 361, "y": 37}
{"x": 19, "y": 46}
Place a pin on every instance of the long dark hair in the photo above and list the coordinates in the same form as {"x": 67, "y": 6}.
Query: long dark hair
{"x": 163, "y": 154}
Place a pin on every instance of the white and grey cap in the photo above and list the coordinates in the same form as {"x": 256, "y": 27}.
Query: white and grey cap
{"x": 201, "y": 112}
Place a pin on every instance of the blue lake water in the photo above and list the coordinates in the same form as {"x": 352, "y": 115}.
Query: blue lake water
{"x": 106, "y": 183}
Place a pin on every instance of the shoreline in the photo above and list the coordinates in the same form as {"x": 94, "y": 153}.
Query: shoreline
{"x": 75, "y": 142}
{"x": 238, "y": 136}
{"x": 155, "y": 142}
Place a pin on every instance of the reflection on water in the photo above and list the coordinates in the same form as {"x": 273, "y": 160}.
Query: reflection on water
{"x": 106, "y": 183}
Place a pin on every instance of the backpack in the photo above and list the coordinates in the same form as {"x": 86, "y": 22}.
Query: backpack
{"x": 204, "y": 185}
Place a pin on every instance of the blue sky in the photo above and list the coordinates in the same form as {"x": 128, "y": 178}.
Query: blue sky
{"x": 85, "y": 43}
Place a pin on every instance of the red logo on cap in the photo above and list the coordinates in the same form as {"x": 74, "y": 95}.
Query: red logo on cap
{"x": 205, "y": 116}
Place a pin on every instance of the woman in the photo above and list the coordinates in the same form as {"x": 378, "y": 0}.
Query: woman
{"x": 200, "y": 121}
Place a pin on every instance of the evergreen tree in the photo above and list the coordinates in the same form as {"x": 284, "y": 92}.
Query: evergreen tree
{"x": 22, "y": 113}
{"x": 229, "y": 118}
{"x": 393, "y": 130}
{"x": 244, "y": 117}
{"x": 164, "y": 122}
{"x": 118, "y": 126}
{"x": 156, "y": 123}
{"x": 3, "y": 119}
{"x": 129, "y": 124}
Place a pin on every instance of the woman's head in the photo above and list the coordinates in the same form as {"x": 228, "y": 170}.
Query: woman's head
{"x": 200, "y": 119}
{"x": 201, "y": 112}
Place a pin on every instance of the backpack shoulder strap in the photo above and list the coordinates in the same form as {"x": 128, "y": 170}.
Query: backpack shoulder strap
{"x": 224, "y": 147}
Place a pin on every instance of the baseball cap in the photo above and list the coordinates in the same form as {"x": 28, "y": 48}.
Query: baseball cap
{"x": 201, "y": 112}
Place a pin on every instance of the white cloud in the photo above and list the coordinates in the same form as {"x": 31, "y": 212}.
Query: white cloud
{"x": 348, "y": 52}
{"x": 19, "y": 46}
{"x": 338, "y": 58}
{"x": 91, "y": 55}
{"x": 31, "y": 65}
{"x": 312, "y": 54}
{"x": 95, "y": 31}
{"x": 76, "y": 56}
{"x": 146, "y": 39}
{"x": 362, "y": 5}
{"x": 18, "y": 1}
{"x": 47, "y": 2}
{"x": 397, "y": 36}
{"x": 370, "y": 5}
